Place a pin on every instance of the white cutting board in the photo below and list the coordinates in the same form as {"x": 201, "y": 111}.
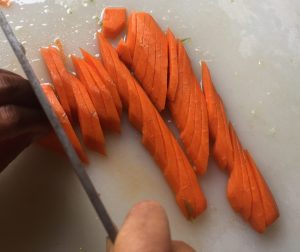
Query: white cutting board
{"x": 253, "y": 50}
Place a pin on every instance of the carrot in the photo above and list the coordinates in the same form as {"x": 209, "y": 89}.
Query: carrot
{"x": 100, "y": 96}
{"x": 63, "y": 118}
{"x": 218, "y": 126}
{"x": 107, "y": 80}
{"x": 51, "y": 142}
{"x": 269, "y": 204}
{"x": 113, "y": 21}
{"x": 124, "y": 53}
{"x": 60, "y": 48}
{"x": 57, "y": 82}
{"x": 5, "y": 3}
{"x": 189, "y": 112}
{"x": 149, "y": 50}
{"x": 156, "y": 136}
{"x": 131, "y": 33}
{"x": 58, "y": 59}
{"x": 173, "y": 66}
{"x": 88, "y": 118}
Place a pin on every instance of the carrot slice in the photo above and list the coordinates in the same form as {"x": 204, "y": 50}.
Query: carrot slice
{"x": 269, "y": 204}
{"x": 157, "y": 137}
{"x": 143, "y": 37}
{"x": 63, "y": 118}
{"x": 109, "y": 83}
{"x": 88, "y": 118}
{"x": 57, "y": 82}
{"x": 100, "y": 96}
{"x": 257, "y": 218}
{"x": 113, "y": 21}
{"x": 57, "y": 57}
{"x": 51, "y": 142}
{"x": 189, "y": 112}
{"x": 124, "y": 53}
{"x": 131, "y": 33}
{"x": 173, "y": 65}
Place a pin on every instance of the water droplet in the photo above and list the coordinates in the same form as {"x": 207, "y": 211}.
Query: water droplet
{"x": 169, "y": 11}
{"x": 69, "y": 11}
{"x": 46, "y": 11}
{"x": 253, "y": 112}
{"x": 31, "y": 25}
{"x": 272, "y": 131}
{"x": 259, "y": 62}
{"x": 44, "y": 24}
{"x": 268, "y": 93}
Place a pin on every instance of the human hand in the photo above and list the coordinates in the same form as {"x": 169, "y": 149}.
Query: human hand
{"x": 21, "y": 117}
{"x": 146, "y": 228}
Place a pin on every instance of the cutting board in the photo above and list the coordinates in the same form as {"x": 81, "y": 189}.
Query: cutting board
{"x": 253, "y": 50}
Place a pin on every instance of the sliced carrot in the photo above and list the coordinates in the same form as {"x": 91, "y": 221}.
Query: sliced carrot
{"x": 109, "y": 83}
{"x": 173, "y": 65}
{"x": 158, "y": 138}
{"x": 269, "y": 204}
{"x": 99, "y": 95}
{"x": 63, "y": 118}
{"x": 60, "y": 48}
{"x": 110, "y": 67}
{"x": 131, "y": 33}
{"x": 257, "y": 218}
{"x": 189, "y": 112}
{"x": 5, "y": 3}
{"x": 57, "y": 57}
{"x": 124, "y": 53}
{"x": 57, "y": 82}
{"x": 111, "y": 117}
{"x": 51, "y": 142}
{"x": 211, "y": 99}
{"x": 87, "y": 115}
{"x": 113, "y": 21}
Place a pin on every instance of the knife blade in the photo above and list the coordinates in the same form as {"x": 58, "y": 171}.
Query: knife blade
{"x": 72, "y": 155}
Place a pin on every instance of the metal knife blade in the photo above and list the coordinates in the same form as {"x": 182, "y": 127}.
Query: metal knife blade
{"x": 72, "y": 155}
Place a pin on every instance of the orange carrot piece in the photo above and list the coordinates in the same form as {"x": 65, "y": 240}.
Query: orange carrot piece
{"x": 211, "y": 99}
{"x": 87, "y": 115}
{"x": 124, "y": 53}
{"x": 57, "y": 82}
{"x": 131, "y": 33}
{"x": 269, "y": 204}
{"x": 51, "y": 142}
{"x": 113, "y": 21}
{"x": 61, "y": 50}
{"x": 112, "y": 118}
{"x": 63, "y": 118}
{"x": 5, "y": 3}
{"x": 109, "y": 83}
{"x": 173, "y": 66}
{"x": 189, "y": 112}
{"x": 157, "y": 137}
{"x": 99, "y": 95}
{"x": 57, "y": 57}
{"x": 145, "y": 38}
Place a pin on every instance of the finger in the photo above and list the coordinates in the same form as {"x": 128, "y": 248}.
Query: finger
{"x": 3, "y": 71}
{"x": 146, "y": 228}
{"x": 16, "y": 90}
{"x": 11, "y": 148}
{"x": 180, "y": 246}
{"x": 16, "y": 121}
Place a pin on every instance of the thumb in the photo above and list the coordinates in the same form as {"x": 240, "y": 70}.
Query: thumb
{"x": 146, "y": 229}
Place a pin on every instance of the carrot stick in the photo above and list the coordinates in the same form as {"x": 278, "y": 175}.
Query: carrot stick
{"x": 57, "y": 82}
{"x": 143, "y": 37}
{"x": 124, "y": 53}
{"x": 100, "y": 96}
{"x": 88, "y": 118}
{"x": 173, "y": 66}
{"x": 57, "y": 57}
{"x": 63, "y": 118}
{"x": 107, "y": 80}
{"x": 157, "y": 137}
{"x": 113, "y": 21}
{"x": 189, "y": 112}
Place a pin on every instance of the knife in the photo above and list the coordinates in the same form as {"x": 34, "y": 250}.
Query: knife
{"x": 69, "y": 150}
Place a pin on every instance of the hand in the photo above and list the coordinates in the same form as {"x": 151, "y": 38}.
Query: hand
{"x": 21, "y": 118}
{"x": 146, "y": 229}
